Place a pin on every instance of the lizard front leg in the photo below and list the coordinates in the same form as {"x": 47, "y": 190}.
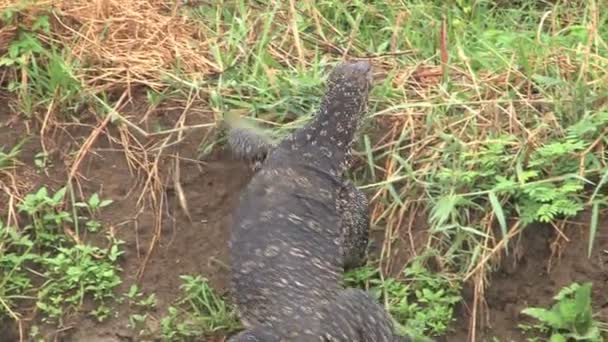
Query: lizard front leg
{"x": 353, "y": 210}
{"x": 250, "y": 146}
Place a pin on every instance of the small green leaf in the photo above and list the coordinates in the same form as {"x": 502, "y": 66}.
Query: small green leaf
{"x": 500, "y": 216}
{"x": 566, "y": 291}
{"x": 58, "y": 197}
{"x": 42, "y": 23}
{"x": 114, "y": 253}
{"x": 94, "y": 200}
{"x": 545, "y": 316}
{"x": 132, "y": 291}
{"x": 5, "y": 61}
{"x": 567, "y": 310}
{"x": 42, "y": 193}
{"x": 582, "y": 298}
{"x": 443, "y": 209}
{"x": 105, "y": 203}
{"x": 546, "y": 80}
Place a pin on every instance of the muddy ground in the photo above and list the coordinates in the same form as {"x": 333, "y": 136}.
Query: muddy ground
{"x": 199, "y": 246}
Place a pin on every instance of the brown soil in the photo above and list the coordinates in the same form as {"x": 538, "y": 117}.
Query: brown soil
{"x": 535, "y": 275}
{"x": 194, "y": 248}
{"x": 199, "y": 247}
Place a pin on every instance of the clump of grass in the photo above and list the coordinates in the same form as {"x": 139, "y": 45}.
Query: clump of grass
{"x": 199, "y": 312}
{"x": 46, "y": 78}
{"x": 93, "y": 38}
{"x": 9, "y": 158}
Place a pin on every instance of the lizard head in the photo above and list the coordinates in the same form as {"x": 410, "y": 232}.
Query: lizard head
{"x": 345, "y": 100}
{"x": 350, "y": 80}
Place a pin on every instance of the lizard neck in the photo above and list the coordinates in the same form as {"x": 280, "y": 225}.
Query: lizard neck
{"x": 328, "y": 138}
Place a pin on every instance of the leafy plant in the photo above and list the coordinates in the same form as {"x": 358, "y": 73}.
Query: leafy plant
{"x": 422, "y": 302}
{"x": 75, "y": 272}
{"x": 140, "y": 305}
{"x": 93, "y": 205}
{"x": 41, "y": 161}
{"x": 571, "y": 317}
{"x": 71, "y": 271}
{"x": 136, "y": 298}
{"x": 502, "y": 174}
{"x": 46, "y": 215}
{"x": 15, "y": 254}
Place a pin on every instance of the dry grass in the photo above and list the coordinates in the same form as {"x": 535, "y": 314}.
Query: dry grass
{"x": 122, "y": 44}
{"x": 119, "y": 46}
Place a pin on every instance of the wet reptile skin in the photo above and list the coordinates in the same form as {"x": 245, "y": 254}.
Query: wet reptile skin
{"x": 299, "y": 224}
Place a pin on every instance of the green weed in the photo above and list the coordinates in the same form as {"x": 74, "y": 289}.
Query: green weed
{"x": 141, "y": 305}
{"x": 9, "y": 159}
{"x": 41, "y": 161}
{"x": 40, "y": 263}
{"x": 421, "y": 301}
{"x": 570, "y": 318}
{"x": 542, "y": 185}
{"x": 138, "y": 300}
{"x": 72, "y": 273}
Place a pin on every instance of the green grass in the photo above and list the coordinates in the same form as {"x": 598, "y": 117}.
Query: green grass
{"x": 511, "y": 133}
{"x": 200, "y": 311}
{"x": 8, "y": 158}
{"x": 49, "y": 83}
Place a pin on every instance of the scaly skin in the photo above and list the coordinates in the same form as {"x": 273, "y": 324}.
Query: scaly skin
{"x": 353, "y": 206}
{"x": 353, "y": 211}
{"x": 353, "y": 316}
{"x": 250, "y": 146}
{"x": 287, "y": 246}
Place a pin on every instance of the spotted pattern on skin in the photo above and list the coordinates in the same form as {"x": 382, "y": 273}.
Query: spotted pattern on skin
{"x": 354, "y": 217}
{"x": 353, "y": 315}
{"x": 340, "y": 113}
{"x": 293, "y": 249}
{"x": 272, "y": 251}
